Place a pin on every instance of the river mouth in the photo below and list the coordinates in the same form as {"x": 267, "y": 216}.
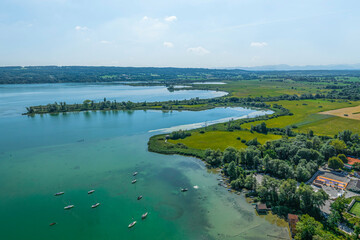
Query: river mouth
{"x": 77, "y": 152}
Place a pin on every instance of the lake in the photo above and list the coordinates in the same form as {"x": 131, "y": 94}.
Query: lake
{"x": 77, "y": 152}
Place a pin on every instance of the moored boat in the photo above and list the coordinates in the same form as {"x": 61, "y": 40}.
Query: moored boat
{"x": 139, "y": 197}
{"x": 59, "y": 194}
{"x": 135, "y": 173}
{"x": 95, "y": 205}
{"x": 144, "y": 215}
{"x": 52, "y": 224}
{"x": 132, "y": 224}
{"x": 184, "y": 189}
{"x": 69, "y": 207}
{"x": 133, "y": 181}
{"x": 91, "y": 191}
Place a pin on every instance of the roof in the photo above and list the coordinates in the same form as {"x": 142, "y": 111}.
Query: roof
{"x": 331, "y": 182}
{"x": 262, "y": 206}
{"x": 347, "y": 165}
{"x": 354, "y": 185}
{"x": 352, "y": 160}
{"x": 293, "y": 217}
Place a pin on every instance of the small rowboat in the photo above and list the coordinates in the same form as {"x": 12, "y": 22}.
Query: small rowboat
{"x": 52, "y": 224}
{"x": 69, "y": 207}
{"x": 91, "y": 191}
{"x": 132, "y": 224}
{"x": 95, "y": 205}
{"x": 139, "y": 197}
{"x": 144, "y": 215}
{"x": 133, "y": 181}
{"x": 59, "y": 194}
{"x": 135, "y": 173}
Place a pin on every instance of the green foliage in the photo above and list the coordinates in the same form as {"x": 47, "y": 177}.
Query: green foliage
{"x": 335, "y": 163}
{"x": 179, "y": 135}
{"x": 307, "y": 228}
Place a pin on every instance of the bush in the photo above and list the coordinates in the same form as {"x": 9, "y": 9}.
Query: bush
{"x": 243, "y": 141}
{"x": 238, "y": 138}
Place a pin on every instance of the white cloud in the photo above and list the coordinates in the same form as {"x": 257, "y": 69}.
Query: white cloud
{"x": 198, "y": 51}
{"x": 150, "y": 28}
{"x": 80, "y": 28}
{"x": 104, "y": 42}
{"x": 258, "y": 44}
{"x": 168, "y": 44}
{"x": 170, "y": 19}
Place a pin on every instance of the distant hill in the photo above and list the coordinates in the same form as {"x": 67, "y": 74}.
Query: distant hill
{"x": 285, "y": 67}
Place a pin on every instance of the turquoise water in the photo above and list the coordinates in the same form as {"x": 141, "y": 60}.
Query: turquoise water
{"x": 77, "y": 152}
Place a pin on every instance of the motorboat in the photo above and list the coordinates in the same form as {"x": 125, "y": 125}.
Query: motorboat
{"x": 184, "y": 189}
{"x": 95, "y": 205}
{"x": 69, "y": 207}
{"x": 144, "y": 215}
{"x": 52, "y": 224}
{"x": 91, "y": 191}
{"x": 132, "y": 224}
{"x": 139, "y": 197}
{"x": 133, "y": 181}
{"x": 135, "y": 173}
{"x": 59, "y": 194}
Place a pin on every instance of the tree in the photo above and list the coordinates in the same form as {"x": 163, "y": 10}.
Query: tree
{"x": 343, "y": 158}
{"x": 339, "y": 145}
{"x": 335, "y": 163}
{"x": 287, "y": 193}
{"x": 307, "y": 228}
{"x": 328, "y": 151}
{"x": 231, "y": 171}
{"x": 250, "y": 182}
{"x": 230, "y": 154}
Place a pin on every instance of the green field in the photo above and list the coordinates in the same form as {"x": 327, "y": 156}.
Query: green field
{"x": 257, "y": 88}
{"x": 305, "y": 117}
{"x": 222, "y": 139}
{"x": 355, "y": 209}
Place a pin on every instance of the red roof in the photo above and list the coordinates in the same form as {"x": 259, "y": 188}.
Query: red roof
{"x": 262, "y": 206}
{"x": 351, "y": 160}
{"x": 293, "y": 217}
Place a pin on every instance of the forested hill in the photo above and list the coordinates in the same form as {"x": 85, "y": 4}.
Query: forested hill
{"x": 56, "y": 74}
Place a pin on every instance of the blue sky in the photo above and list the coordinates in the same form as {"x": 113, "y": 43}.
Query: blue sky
{"x": 179, "y": 33}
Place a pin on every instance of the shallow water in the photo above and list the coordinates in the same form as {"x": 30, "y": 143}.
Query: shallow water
{"x": 76, "y": 152}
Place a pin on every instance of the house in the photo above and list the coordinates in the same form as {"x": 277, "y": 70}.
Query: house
{"x": 262, "y": 208}
{"x": 348, "y": 166}
{"x": 321, "y": 180}
{"x": 293, "y": 219}
{"x": 352, "y": 160}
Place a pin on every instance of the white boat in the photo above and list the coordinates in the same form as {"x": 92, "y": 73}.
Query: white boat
{"x": 139, "y": 197}
{"x": 59, "y": 194}
{"x": 144, "y": 215}
{"x": 69, "y": 207}
{"x": 132, "y": 224}
{"x": 135, "y": 173}
{"x": 133, "y": 181}
{"x": 91, "y": 191}
{"x": 95, "y": 205}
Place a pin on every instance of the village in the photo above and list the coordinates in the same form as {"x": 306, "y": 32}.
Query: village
{"x": 336, "y": 183}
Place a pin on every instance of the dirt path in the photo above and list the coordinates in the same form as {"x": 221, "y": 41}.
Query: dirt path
{"x": 345, "y": 112}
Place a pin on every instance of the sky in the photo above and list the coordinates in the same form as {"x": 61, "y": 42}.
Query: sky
{"x": 179, "y": 33}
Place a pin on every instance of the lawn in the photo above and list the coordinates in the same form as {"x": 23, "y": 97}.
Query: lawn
{"x": 355, "y": 209}
{"x": 306, "y": 117}
{"x": 223, "y": 139}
